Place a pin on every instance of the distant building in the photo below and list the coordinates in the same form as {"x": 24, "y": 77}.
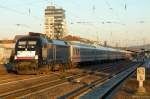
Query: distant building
{"x": 6, "y": 50}
{"x": 55, "y": 22}
{"x": 7, "y": 43}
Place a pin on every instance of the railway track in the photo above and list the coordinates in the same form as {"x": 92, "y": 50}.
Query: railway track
{"x": 86, "y": 87}
{"x": 104, "y": 91}
{"x": 15, "y": 91}
{"x": 12, "y": 77}
{"x": 32, "y": 86}
{"x": 75, "y": 94}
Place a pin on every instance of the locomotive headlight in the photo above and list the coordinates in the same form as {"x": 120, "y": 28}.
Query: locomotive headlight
{"x": 15, "y": 57}
{"x": 36, "y": 57}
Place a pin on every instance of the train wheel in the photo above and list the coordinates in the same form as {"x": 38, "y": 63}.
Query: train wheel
{"x": 47, "y": 69}
{"x": 68, "y": 66}
{"x": 52, "y": 67}
{"x": 64, "y": 67}
{"x": 44, "y": 70}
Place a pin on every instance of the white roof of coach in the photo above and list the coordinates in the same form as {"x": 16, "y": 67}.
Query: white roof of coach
{"x": 105, "y": 48}
{"x": 109, "y": 49}
{"x": 81, "y": 45}
{"x": 58, "y": 42}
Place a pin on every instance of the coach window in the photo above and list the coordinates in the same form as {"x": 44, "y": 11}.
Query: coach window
{"x": 73, "y": 51}
{"x": 76, "y": 51}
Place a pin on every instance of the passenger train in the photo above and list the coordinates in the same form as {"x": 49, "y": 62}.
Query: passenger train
{"x": 36, "y": 54}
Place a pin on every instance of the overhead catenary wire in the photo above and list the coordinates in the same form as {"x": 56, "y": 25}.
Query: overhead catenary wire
{"x": 27, "y": 13}
{"x": 11, "y": 9}
{"x": 116, "y": 15}
{"x": 92, "y": 24}
{"x": 19, "y": 12}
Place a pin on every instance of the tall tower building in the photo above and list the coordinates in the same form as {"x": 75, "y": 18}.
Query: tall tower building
{"x": 55, "y": 23}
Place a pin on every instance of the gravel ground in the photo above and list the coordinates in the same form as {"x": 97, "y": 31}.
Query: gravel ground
{"x": 63, "y": 89}
{"x": 3, "y": 70}
{"x": 54, "y": 93}
{"x": 58, "y": 91}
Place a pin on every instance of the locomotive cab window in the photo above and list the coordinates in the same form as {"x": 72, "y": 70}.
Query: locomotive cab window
{"x": 21, "y": 44}
{"x": 32, "y": 44}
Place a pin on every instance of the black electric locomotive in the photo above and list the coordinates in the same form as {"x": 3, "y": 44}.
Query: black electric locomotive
{"x": 35, "y": 54}
{"x": 28, "y": 53}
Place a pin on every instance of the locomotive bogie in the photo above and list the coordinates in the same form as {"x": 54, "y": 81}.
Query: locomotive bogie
{"x": 25, "y": 67}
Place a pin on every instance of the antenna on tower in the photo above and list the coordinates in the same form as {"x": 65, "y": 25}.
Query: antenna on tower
{"x": 53, "y": 2}
{"x": 29, "y": 11}
{"x": 125, "y": 5}
{"x": 93, "y": 8}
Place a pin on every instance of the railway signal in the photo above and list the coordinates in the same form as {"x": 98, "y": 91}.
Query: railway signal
{"x": 141, "y": 79}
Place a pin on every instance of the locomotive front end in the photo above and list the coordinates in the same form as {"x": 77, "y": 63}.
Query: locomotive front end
{"x": 26, "y": 58}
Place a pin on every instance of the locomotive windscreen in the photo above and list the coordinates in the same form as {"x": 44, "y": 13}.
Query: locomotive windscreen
{"x": 26, "y": 49}
{"x": 29, "y": 45}
{"x": 21, "y": 44}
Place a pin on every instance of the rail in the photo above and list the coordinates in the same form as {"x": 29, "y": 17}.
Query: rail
{"x": 101, "y": 87}
{"x": 23, "y": 92}
{"x": 103, "y": 90}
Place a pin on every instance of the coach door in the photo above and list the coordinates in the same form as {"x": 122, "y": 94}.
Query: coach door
{"x": 54, "y": 53}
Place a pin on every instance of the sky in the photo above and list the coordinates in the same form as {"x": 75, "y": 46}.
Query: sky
{"x": 119, "y": 22}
